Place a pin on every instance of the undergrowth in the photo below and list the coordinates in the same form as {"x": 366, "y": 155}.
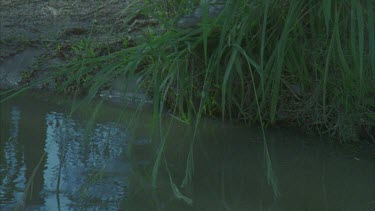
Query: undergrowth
{"x": 310, "y": 63}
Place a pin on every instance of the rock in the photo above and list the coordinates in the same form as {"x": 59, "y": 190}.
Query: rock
{"x": 214, "y": 9}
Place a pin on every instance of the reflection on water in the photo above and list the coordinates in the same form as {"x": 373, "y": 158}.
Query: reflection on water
{"x": 27, "y": 133}
{"x": 50, "y": 161}
{"x": 78, "y": 155}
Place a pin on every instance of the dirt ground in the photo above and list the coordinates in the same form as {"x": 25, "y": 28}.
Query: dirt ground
{"x": 51, "y": 27}
{"x": 32, "y": 22}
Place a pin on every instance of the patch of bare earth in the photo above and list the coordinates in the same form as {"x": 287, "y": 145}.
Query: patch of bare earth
{"x": 53, "y": 27}
{"x": 34, "y": 21}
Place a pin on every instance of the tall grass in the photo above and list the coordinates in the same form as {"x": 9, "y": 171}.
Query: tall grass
{"x": 298, "y": 62}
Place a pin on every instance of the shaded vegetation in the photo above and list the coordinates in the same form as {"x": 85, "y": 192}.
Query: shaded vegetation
{"x": 296, "y": 62}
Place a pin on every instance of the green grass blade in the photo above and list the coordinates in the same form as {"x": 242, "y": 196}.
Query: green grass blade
{"x": 371, "y": 35}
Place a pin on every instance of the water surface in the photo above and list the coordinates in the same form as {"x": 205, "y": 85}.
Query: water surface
{"x": 101, "y": 158}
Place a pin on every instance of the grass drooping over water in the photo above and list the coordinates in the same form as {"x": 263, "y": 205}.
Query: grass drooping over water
{"x": 305, "y": 62}
{"x": 308, "y": 62}
{"x": 301, "y": 62}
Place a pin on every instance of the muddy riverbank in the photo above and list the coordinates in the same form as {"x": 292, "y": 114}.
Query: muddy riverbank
{"x": 39, "y": 35}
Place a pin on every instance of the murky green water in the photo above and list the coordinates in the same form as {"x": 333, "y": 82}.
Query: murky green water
{"x": 103, "y": 163}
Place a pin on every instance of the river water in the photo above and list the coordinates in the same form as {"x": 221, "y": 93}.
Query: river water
{"x": 101, "y": 158}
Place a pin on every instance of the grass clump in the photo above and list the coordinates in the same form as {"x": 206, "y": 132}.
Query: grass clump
{"x": 309, "y": 63}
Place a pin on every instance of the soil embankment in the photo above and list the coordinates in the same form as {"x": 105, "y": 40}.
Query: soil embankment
{"x": 47, "y": 28}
